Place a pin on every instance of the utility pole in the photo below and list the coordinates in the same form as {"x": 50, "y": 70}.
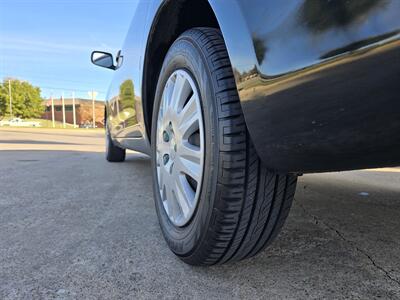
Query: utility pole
{"x": 73, "y": 108}
{"x": 94, "y": 114}
{"x": 63, "y": 109}
{"x": 9, "y": 93}
{"x": 52, "y": 111}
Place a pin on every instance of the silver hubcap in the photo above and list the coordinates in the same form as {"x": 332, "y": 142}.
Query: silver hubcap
{"x": 180, "y": 147}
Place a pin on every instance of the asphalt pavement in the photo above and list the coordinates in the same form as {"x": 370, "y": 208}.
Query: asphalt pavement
{"x": 73, "y": 226}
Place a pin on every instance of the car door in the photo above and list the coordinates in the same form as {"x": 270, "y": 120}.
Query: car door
{"x": 125, "y": 93}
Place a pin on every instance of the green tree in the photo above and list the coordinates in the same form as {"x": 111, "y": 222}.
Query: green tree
{"x": 324, "y": 15}
{"x": 127, "y": 94}
{"x": 3, "y": 100}
{"x": 127, "y": 102}
{"x": 26, "y": 99}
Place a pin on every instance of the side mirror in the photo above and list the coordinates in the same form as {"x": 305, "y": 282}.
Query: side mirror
{"x": 103, "y": 59}
{"x": 119, "y": 59}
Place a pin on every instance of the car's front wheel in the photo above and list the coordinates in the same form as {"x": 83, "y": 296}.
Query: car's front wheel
{"x": 113, "y": 152}
{"x": 215, "y": 200}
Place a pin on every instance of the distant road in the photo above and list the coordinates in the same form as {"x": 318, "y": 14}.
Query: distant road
{"x": 73, "y": 226}
{"x": 12, "y": 138}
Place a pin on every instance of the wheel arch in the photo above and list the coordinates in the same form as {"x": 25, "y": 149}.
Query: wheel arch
{"x": 174, "y": 17}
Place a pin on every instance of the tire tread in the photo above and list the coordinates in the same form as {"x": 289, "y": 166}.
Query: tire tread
{"x": 252, "y": 202}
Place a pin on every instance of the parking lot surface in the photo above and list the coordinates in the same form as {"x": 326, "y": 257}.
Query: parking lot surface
{"x": 73, "y": 226}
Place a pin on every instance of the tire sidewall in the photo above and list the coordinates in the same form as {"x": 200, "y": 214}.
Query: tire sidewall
{"x": 185, "y": 54}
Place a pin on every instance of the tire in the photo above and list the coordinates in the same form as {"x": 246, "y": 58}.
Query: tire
{"x": 242, "y": 206}
{"x": 113, "y": 152}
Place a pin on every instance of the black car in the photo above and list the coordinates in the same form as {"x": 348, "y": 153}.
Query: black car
{"x": 234, "y": 99}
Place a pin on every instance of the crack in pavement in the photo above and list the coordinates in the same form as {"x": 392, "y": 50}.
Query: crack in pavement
{"x": 351, "y": 243}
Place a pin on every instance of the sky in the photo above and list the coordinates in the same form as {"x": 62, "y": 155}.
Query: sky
{"x": 49, "y": 42}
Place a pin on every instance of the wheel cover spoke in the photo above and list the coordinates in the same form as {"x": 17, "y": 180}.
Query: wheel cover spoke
{"x": 190, "y": 152}
{"x": 180, "y": 147}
